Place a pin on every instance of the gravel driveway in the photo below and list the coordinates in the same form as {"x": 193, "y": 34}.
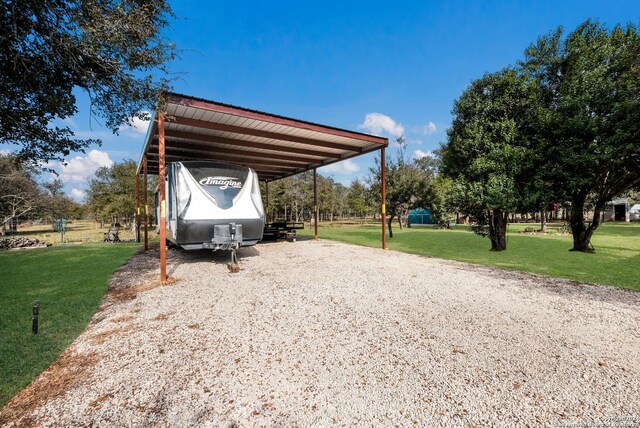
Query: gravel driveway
{"x": 318, "y": 333}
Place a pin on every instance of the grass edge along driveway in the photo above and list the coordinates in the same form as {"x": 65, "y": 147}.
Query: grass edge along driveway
{"x": 70, "y": 282}
{"x": 615, "y": 262}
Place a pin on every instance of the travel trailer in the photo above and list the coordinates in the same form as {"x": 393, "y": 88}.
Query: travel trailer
{"x": 211, "y": 205}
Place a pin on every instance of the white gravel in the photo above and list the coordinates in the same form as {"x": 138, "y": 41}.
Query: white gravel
{"x": 317, "y": 333}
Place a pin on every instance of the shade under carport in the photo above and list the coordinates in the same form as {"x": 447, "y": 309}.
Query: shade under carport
{"x": 190, "y": 128}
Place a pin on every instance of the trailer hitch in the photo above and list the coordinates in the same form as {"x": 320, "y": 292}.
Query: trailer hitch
{"x": 234, "y": 267}
{"x": 228, "y": 237}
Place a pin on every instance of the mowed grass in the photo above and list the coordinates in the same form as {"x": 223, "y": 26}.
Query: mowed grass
{"x": 70, "y": 282}
{"x": 616, "y": 261}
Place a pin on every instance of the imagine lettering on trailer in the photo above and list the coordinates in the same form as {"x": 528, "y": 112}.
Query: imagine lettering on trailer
{"x": 223, "y": 182}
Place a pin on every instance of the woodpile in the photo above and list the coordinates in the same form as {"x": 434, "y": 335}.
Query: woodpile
{"x": 21, "y": 242}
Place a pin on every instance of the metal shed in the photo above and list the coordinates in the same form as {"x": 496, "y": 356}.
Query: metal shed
{"x": 189, "y": 128}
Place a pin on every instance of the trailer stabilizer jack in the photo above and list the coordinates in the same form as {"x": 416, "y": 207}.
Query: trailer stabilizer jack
{"x": 234, "y": 267}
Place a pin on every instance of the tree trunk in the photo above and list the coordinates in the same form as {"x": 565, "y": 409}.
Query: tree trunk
{"x": 581, "y": 232}
{"x": 389, "y": 222}
{"x": 543, "y": 219}
{"x": 498, "y": 230}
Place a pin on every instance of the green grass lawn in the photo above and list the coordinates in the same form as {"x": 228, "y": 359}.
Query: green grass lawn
{"x": 70, "y": 282}
{"x": 616, "y": 261}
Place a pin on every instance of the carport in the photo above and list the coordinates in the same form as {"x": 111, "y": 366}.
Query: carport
{"x": 189, "y": 128}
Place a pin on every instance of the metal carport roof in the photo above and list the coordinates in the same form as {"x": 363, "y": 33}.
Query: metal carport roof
{"x": 274, "y": 146}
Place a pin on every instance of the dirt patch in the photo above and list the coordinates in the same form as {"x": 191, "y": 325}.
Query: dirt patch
{"x": 98, "y": 401}
{"x": 125, "y": 294}
{"x": 138, "y": 275}
{"x": 161, "y": 317}
{"x": 102, "y": 337}
{"x": 55, "y": 381}
{"x": 123, "y": 318}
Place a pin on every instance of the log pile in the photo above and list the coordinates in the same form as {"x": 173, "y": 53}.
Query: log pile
{"x": 20, "y": 242}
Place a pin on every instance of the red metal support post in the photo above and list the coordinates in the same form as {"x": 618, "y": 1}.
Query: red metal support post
{"x": 383, "y": 187}
{"x": 162, "y": 201}
{"x": 137, "y": 207}
{"x": 315, "y": 205}
{"x": 266, "y": 207}
{"x": 145, "y": 202}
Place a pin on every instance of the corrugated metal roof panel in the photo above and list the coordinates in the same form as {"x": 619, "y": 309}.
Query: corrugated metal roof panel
{"x": 247, "y": 135}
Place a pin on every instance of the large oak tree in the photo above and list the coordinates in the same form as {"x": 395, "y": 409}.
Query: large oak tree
{"x": 113, "y": 50}
{"x": 487, "y": 150}
{"x": 590, "y": 83}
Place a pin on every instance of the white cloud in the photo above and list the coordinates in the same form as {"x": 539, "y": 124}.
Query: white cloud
{"x": 80, "y": 168}
{"x": 77, "y": 194}
{"x": 139, "y": 126}
{"x": 4, "y": 152}
{"x": 343, "y": 167}
{"x": 418, "y": 154}
{"x": 428, "y": 129}
{"x": 378, "y": 123}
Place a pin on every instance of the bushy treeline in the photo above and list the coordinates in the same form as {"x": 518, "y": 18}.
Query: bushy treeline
{"x": 111, "y": 196}
{"x": 292, "y": 199}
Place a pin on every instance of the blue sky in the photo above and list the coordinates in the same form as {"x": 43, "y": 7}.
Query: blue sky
{"x": 402, "y": 63}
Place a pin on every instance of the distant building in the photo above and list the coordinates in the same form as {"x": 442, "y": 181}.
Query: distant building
{"x": 617, "y": 210}
{"x": 634, "y": 212}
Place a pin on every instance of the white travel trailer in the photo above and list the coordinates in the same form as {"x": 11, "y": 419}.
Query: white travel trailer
{"x": 211, "y": 205}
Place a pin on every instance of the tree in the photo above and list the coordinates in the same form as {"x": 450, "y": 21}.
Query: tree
{"x": 431, "y": 165}
{"x": 55, "y": 203}
{"x": 486, "y": 150}
{"x": 406, "y": 185}
{"x": 439, "y": 199}
{"x": 112, "y": 192}
{"x": 302, "y": 193}
{"x": 357, "y": 198}
{"x": 590, "y": 85}
{"x": 19, "y": 191}
{"x": 110, "y": 49}
{"x": 327, "y": 197}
